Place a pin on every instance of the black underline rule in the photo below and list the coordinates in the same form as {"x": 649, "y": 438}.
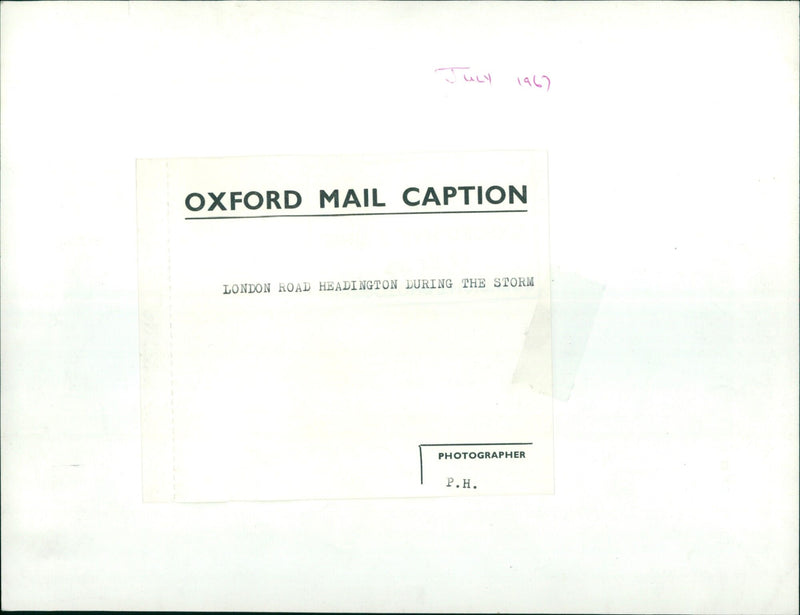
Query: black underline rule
{"x": 364, "y": 213}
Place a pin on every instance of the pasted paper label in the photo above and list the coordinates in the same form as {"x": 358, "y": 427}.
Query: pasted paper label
{"x": 345, "y": 326}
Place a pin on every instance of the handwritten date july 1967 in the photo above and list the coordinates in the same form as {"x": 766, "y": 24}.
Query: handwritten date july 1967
{"x": 464, "y": 74}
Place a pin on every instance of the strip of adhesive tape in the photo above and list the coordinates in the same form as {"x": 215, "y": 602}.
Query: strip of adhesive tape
{"x": 574, "y": 301}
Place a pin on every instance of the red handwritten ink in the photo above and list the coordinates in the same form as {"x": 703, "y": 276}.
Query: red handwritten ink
{"x": 533, "y": 83}
{"x": 548, "y": 81}
{"x": 452, "y": 70}
{"x": 452, "y": 76}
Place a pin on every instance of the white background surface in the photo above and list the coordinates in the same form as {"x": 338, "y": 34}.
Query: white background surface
{"x": 673, "y": 148}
